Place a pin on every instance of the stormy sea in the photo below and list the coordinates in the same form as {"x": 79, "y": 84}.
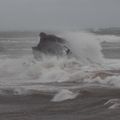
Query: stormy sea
{"x": 85, "y": 86}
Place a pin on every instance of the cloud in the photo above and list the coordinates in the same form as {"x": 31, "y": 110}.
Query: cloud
{"x": 58, "y": 14}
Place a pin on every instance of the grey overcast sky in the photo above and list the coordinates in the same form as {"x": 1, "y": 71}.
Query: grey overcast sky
{"x": 58, "y": 14}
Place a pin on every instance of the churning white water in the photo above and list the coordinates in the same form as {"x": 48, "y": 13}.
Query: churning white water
{"x": 87, "y": 67}
{"x": 85, "y": 47}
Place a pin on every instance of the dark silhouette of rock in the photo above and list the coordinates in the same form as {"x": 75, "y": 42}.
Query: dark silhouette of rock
{"x": 51, "y": 45}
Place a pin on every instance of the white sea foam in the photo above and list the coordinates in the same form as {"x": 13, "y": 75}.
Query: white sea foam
{"x": 64, "y": 94}
{"x": 113, "y": 103}
{"x": 88, "y": 67}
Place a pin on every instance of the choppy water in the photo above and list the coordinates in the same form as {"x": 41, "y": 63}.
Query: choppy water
{"x": 81, "y": 88}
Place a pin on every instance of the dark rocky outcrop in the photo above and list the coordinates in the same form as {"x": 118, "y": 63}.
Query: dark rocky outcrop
{"x": 51, "y": 45}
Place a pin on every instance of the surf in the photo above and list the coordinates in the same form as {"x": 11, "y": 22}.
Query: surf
{"x": 85, "y": 68}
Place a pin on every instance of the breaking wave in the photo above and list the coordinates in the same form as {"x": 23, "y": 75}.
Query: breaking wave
{"x": 87, "y": 68}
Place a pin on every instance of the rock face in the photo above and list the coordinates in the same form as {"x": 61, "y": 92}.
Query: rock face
{"x": 51, "y": 45}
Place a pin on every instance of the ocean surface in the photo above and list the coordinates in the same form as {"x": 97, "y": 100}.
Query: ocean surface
{"x": 83, "y": 87}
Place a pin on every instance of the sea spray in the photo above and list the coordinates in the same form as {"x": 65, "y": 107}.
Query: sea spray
{"x": 26, "y": 74}
{"x": 85, "y": 47}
